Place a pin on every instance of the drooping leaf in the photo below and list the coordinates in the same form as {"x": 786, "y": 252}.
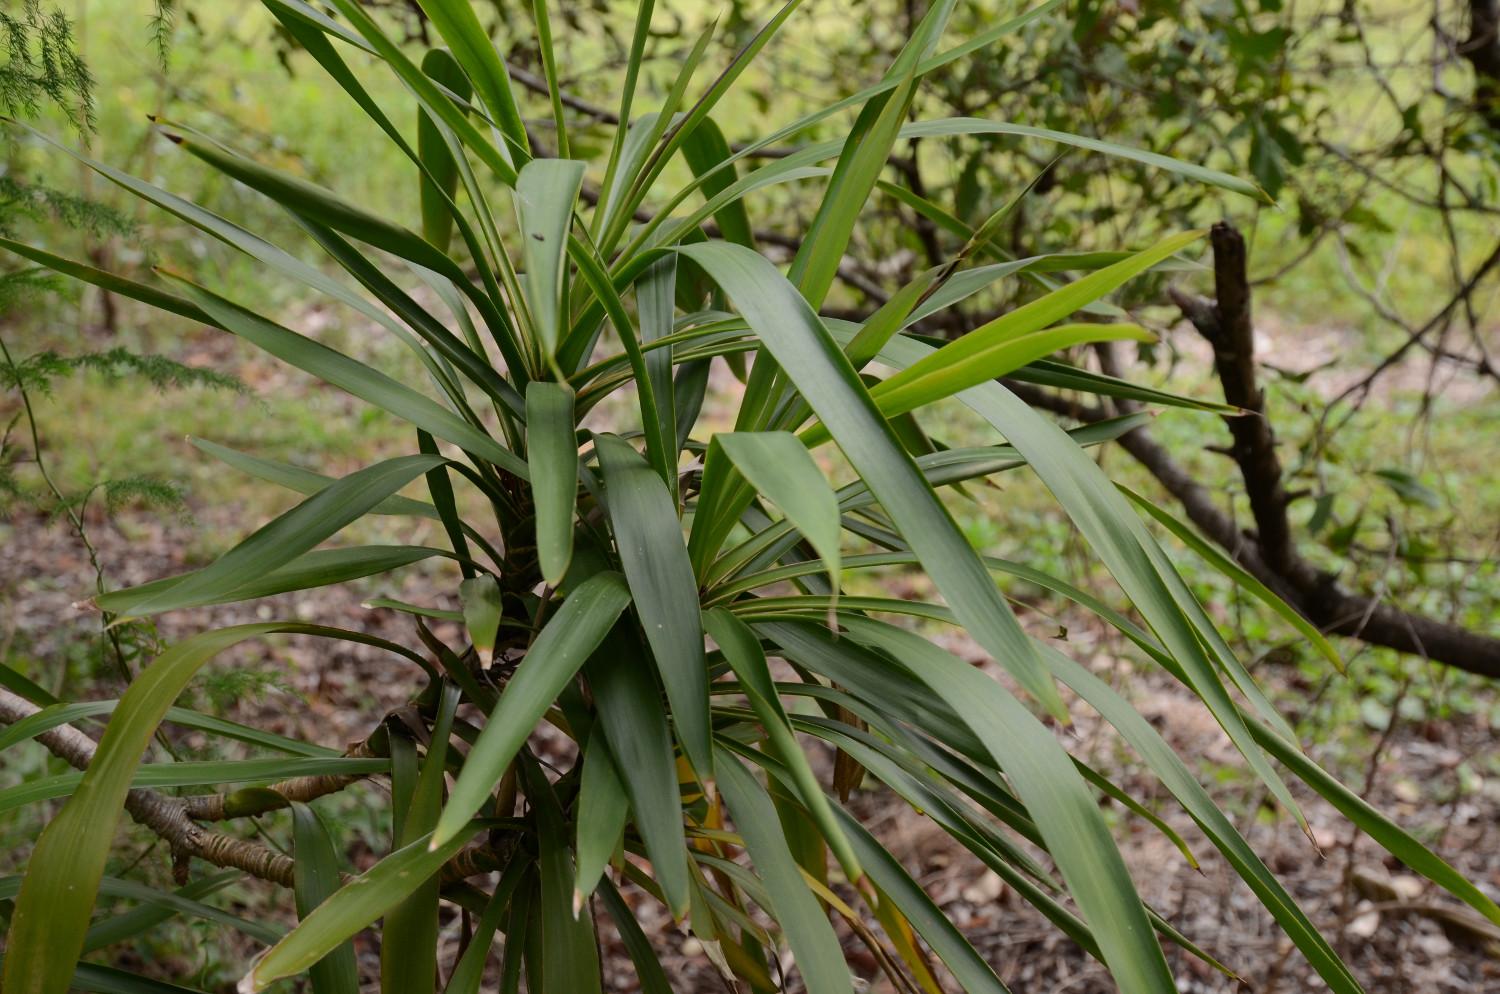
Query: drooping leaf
{"x": 813, "y": 942}
{"x": 779, "y": 466}
{"x": 803, "y": 347}
{"x": 316, "y": 877}
{"x": 51, "y": 915}
{"x": 649, "y": 539}
{"x": 603, "y": 809}
{"x": 354, "y": 906}
{"x": 276, "y": 544}
{"x": 633, "y": 721}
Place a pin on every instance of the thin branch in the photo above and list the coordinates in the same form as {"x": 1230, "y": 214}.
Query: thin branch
{"x": 1316, "y": 595}
{"x": 169, "y": 817}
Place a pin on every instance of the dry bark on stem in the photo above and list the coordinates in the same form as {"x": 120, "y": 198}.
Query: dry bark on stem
{"x": 166, "y": 816}
{"x": 211, "y": 807}
{"x": 1228, "y": 327}
{"x": 170, "y": 818}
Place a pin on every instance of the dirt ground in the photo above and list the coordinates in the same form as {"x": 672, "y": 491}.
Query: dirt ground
{"x": 1391, "y": 931}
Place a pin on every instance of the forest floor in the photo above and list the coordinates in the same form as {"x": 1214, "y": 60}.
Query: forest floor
{"x": 1399, "y": 934}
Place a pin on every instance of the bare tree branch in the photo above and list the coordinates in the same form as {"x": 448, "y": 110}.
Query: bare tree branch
{"x": 1269, "y": 552}
{"x": 1315, "y": 594}
{"x": 171, "y": 818}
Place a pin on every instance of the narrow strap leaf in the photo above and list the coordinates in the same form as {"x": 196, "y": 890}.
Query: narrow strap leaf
{"x": 1238, "y": 574}
{"x": 574, "y": 631}
{"x": 52, "y": 911}
{"x": 633, "y": 722}
{"x": 742, "y": 648}
{"x": 353, "y": 376}
{"x": 545, "y": 194}
{"x": 355, "y": 906}
{"x": 316, "y": 877}
{"x": 648, "y": 536}
{"x": 603, "y": 810}
{"x": 779, "y": 466}
{"x": 813, "y": 942}
{"x": 552, "y": 455}
{"x": 569, "y": 956}
{"x": 441, "y": 182}
{"x": 803, "y": 347}
{"x": 275, "y": 544}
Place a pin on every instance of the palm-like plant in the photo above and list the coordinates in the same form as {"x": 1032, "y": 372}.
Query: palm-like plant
{"x": 586, "y": 606}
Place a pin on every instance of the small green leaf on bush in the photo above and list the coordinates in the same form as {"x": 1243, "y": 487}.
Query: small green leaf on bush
{"x": 480, "y": 597}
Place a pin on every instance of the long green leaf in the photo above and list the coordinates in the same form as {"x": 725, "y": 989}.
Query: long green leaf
{"x": 1057, "y": 797}
{"x": 50, "y": 717}
{"x": 1188, "y": 170}
{"x": 803, "y": 347}
{"x": 1127, "y": 549}
{"x": 1396, "y": 840}
{"x": 1000, "y": 359}
{"x": 1024, "y": 320}
{"x": 354, "y": 377}
{"x": 299, "y": 195}
{"x": 812, "y": 938}
{"x": 648, "y": 536}
{"x": 704, "y": 149}
{"x": 648, "y": 969}
{"x": 408, "y": 956}
{"x": 1239, "y": 575}
{"x": 193, "y": 774}
{"x": 552, "y": 455}
{"x": 440, "y": 183}
{"x": 779, "y": 466}
{"x": 469, "y": 971}
{"x": 146, "y": 915}
{"x": 891, "y": 878}
{"x": 460, "y": 28}
{"x": 570, "y": 957}
{"x": 159, "y": 299}
{"x": 573, "y": 632}
{"x": 315, "y": 879}
{"x": 500, "y": 160}
{"x": 655, "y": 295}
{"x": 1176, "y": 776}
{"x": 180, "y": 902}
{"x": 231, "y": 234}
{"x": 303, "y": 481}
{"x": 603, "y": 810}
{"x": 319, "y": 568}
{"x": 108, "y": 980}
{"x": 355, "y": 906}
{"x": 866, "y": 150}
{"x": 546, "y": 192}
{"x": 634, "y": 723}
{"x": 276, "y": 544}
{"x": 51, "y": 915}
{"x": 742, "y": 649}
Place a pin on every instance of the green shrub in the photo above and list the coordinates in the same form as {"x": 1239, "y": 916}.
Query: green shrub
{"x": 608, "y": 560}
